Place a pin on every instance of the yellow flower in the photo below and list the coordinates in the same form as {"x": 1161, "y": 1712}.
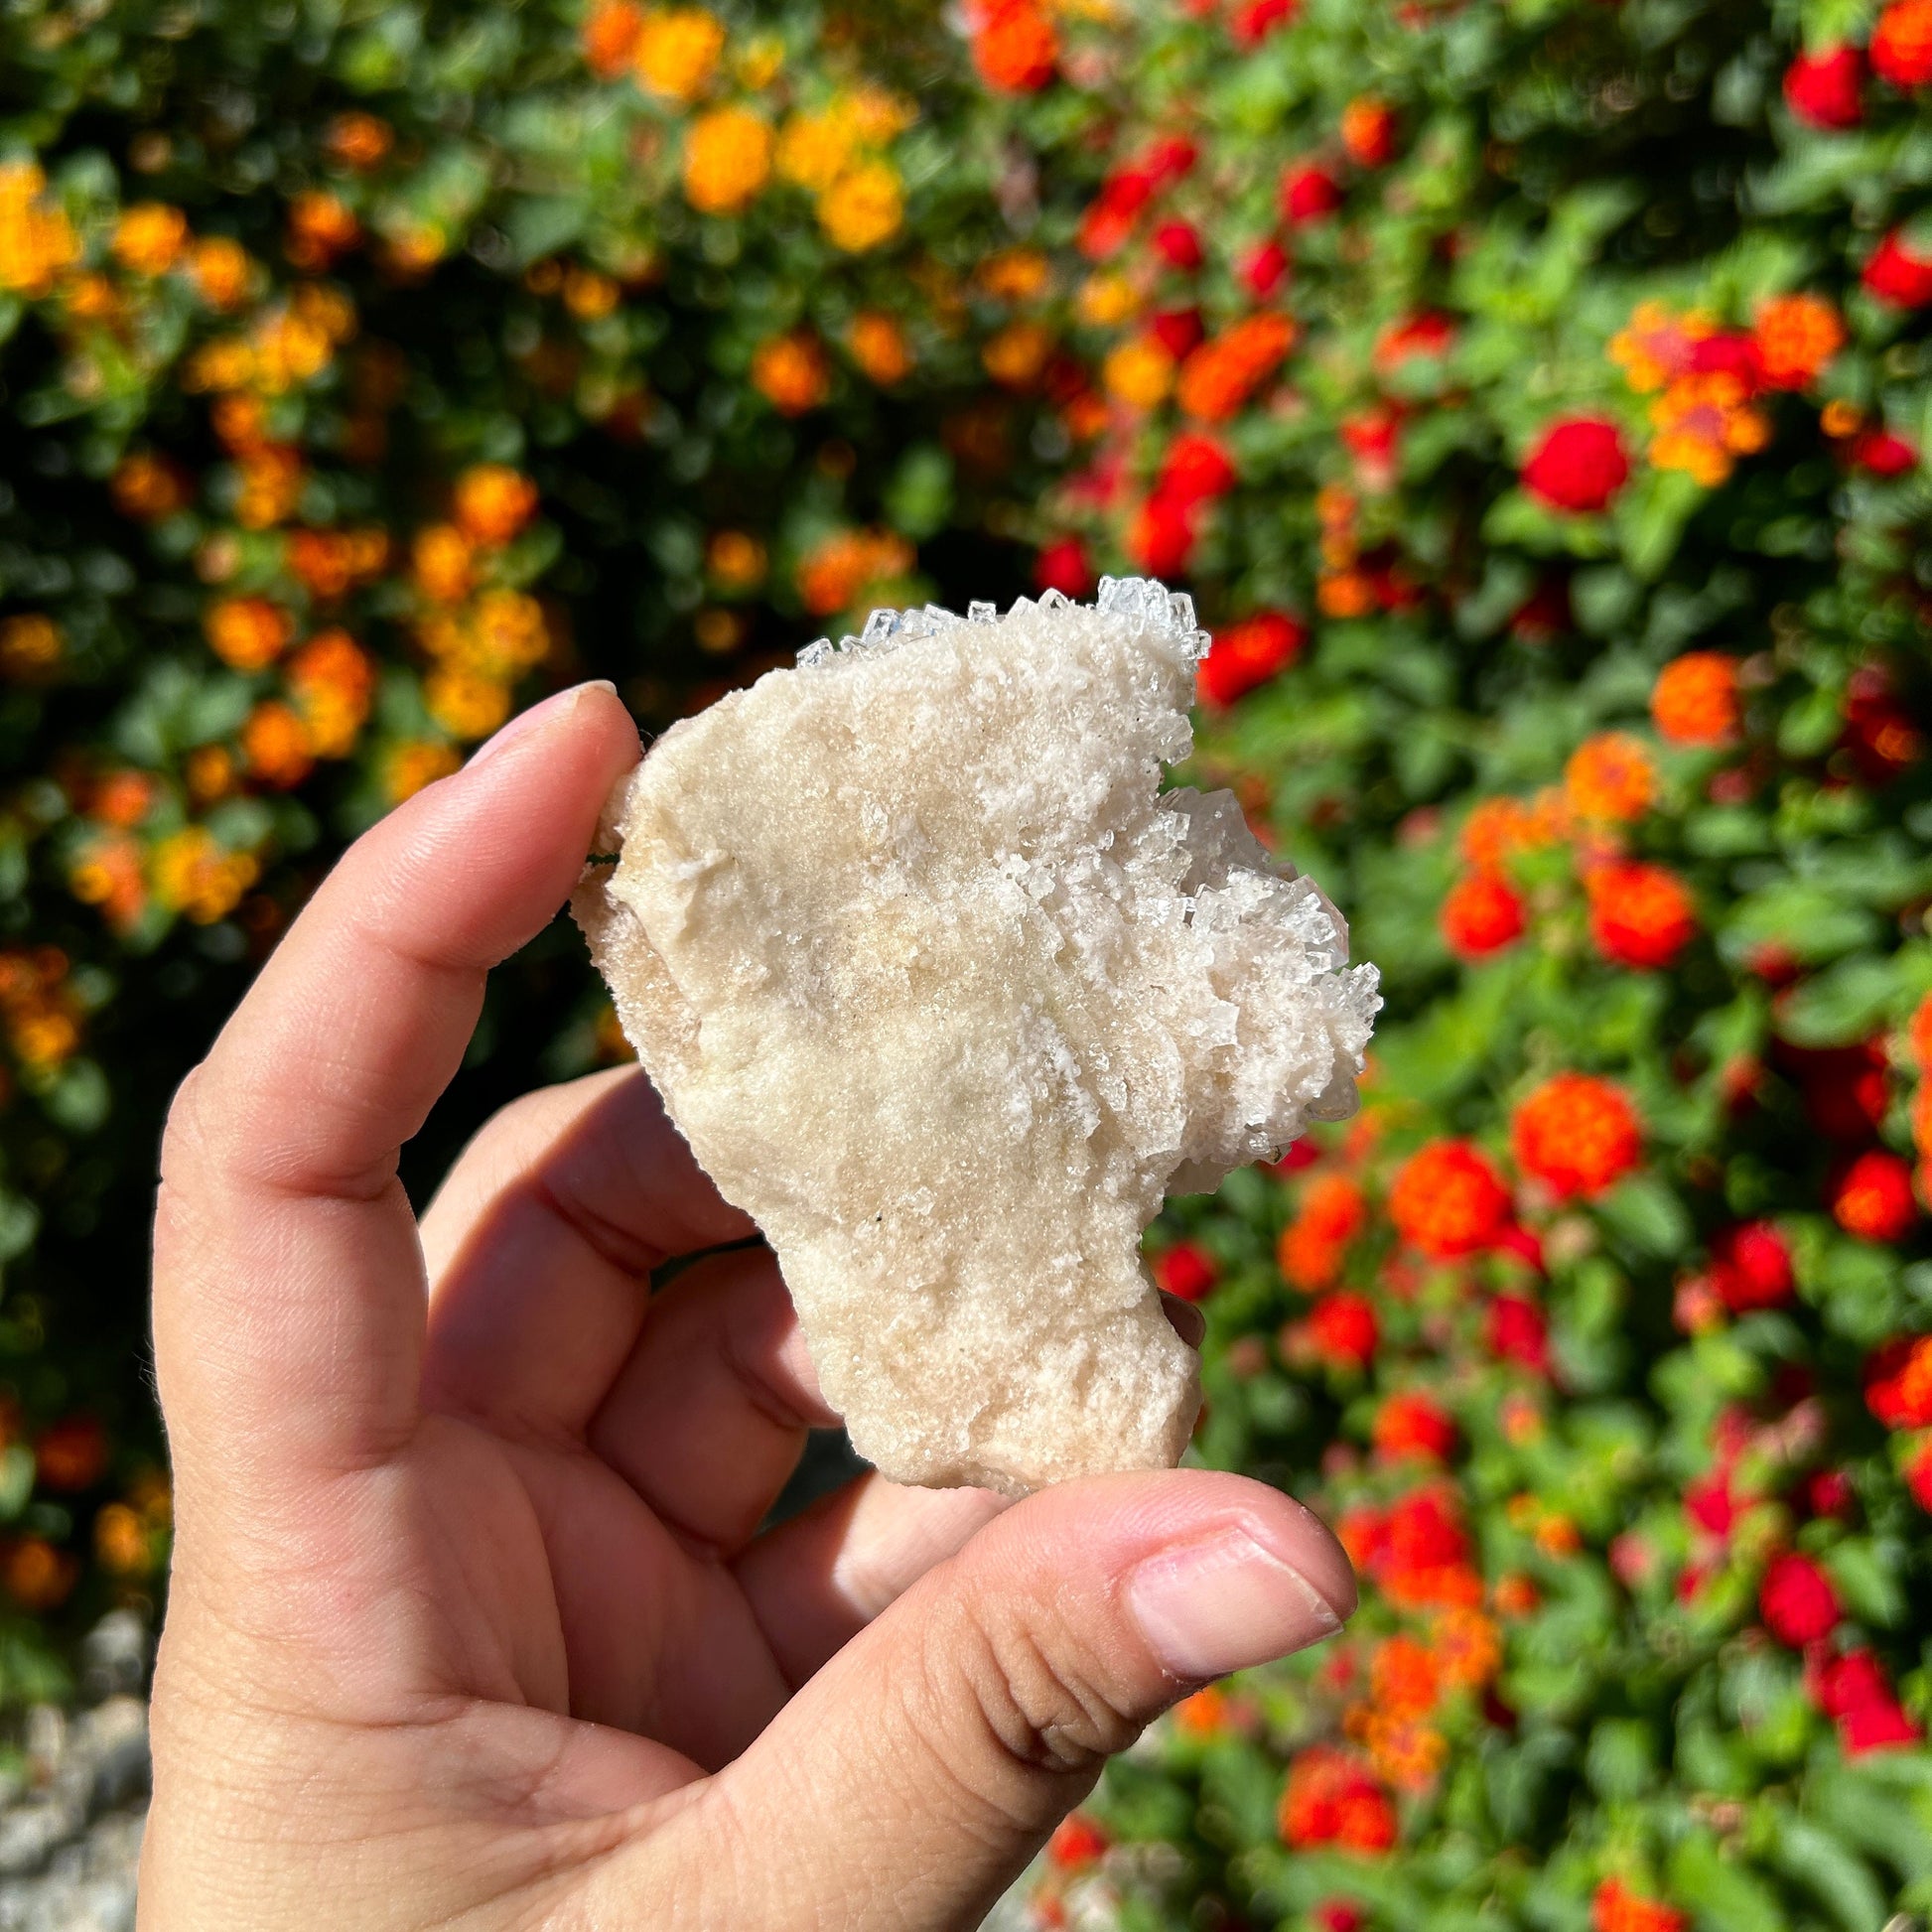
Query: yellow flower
{"x": 30, "y": 646}
{"x": 1105, "y": 301}
{"x": 679, "y": 50}
{"x": 727, "y": 160}
{"x": 760, "y": 62}
{"x": 35, "y": 242}
{"x": 466, "y": 704}
{"x": 878, "y": 114}
{"x": 197, "y": 876}
{"x": 1139, "y": 372}
{"x": 149, "y": 238}
{"x": 863, "y": 208}
{"x": 815, "y": 148}
{"x": 415, "y": 763}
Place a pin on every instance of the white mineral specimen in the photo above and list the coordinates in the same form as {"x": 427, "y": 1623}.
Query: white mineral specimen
{"x": 947, "y": 995}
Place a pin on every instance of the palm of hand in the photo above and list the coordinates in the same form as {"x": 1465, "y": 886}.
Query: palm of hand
{"x": 471, "y": 1623}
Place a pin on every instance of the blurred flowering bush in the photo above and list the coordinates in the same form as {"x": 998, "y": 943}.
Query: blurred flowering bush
{"x": 1532, "y": 395}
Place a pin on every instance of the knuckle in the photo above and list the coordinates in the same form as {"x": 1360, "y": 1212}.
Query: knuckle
{"x": 1045, "y": 1701}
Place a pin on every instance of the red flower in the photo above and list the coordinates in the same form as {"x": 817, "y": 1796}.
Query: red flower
{"x": 1797, "y": 1602}
{"x": 1427, "y": 333}
{"x": 1161, "y": 539}
{"x": 1873, "y": 1197}
{"x": 1368, "y": 132}
{"x": 1876, "y": 1727}
{"x": 1898, "y": 1382}
{"x": 1578, "y": 464}
{"x": 1480, "y": 914}
{"x": 1313, "y": 1246}
{"x": 1178, "y": 243}
{"x": 1263, "y": 269}
{"x": 1447, "y": 1201}
{"x": 1884, "y": 453}
{"x": 1178, "y": 331}
{"x": 1110, "y": 219}
{"x": 1411, "y": 1423}
{"x": 1062, "y": 565}
{"x": 1641, "y": 914}
{"x": 1709, "y": 1504}
{"x": 1309, "y": 192}
{"x": 1901, "y": 44}
{"x": 1186, "y": 1271}
{"x": 1332, "y": 1798}
{"x": 1343, "y": 1331}
{"x": 1918, "y": 1476}
{"x": 1822, "y": 89}
{"x": 1076, "y": 1843}
{"x": 1515, "y": 1330}
{"x": 1249, "y": 654}
{"x": 1340, "y": 1915}
{"x": 1751, "y": 1267}
{"x": 1195, "y": 469}
{"x": 1896, "y": 274}
{"x": 1015, "y": 47}
{"x": 1577, "y": 1134}
{"x": 1254, "y": 19}
{"x": 1616, "y": 1909}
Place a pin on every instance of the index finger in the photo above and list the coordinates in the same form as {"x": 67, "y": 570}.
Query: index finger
{"x": 289, "y": 1291}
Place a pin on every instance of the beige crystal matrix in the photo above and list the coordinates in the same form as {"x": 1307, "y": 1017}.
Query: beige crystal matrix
{"x": 948, "y": 994}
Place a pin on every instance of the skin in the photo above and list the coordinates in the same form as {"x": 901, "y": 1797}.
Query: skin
{"x": 469, "y": 1623}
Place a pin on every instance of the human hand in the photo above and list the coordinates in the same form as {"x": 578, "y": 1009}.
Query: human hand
{"x": 469, "y": 1623}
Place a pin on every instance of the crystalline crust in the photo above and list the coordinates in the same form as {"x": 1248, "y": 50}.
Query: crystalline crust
{"x": 947, "y": 995}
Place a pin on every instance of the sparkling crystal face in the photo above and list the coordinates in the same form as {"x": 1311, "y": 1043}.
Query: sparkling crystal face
{"x": 947, "y": 994}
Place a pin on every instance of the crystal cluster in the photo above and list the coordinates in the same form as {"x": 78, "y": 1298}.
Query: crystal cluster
{"x": 948, "y": 994}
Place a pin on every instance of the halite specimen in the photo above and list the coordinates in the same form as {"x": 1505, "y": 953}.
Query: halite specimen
{"x": 947, "y": 995}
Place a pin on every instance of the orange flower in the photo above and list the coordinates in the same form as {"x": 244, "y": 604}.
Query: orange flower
{"x": 1577, "y": 1134}
{"x": 1221, "y": 375}
{"x": 357, "y": 140}
{"x": 417, "y": 763}
{"x": 38, "y": 1576}
{"x": 332, "y": 563}
{"x": 30, "y": 647}
{"x": 832, "y": 577}
{"x": 122, "y": 1541}
{"x": 148, "y": 486}
{"x": 1332, "y": 1213}
{"x": 1610, "y": 777}
{"x": 1469, "y": 1648}
{"x": 677, "y": 51}
{"x": 1408, "y": 1424}
{"x": 321, "y": 227}
{"x": 149, "y": 238}
{"x": 1796, "y": 335}
{"x": 611, "y": 31}
{"x": 248, "y": 632}
{"x": 333, "y": 682}
{"x": 467, "y": 704}
{"x": 273, "y": 477}
{"x": 1704, "y": 422}
{"x": 36, "y": 240}
{"x": 494, "y": 503}
{"x": 1695, "y": 699}
{"x": 275, "y": 745}
{"x": 222, "y": 271}
{"x": 1014, "y": 357}
{"x": 792, "y": 374}
{"x": 1482, "y": 913}
{"x": 1616, "y": 1909}
{"x": 879, "y": 346}
{"x": 1015, "y": 47}
{"x": 727, "y": 160}
{"x": 1656, "y": 346}
{"x": 199, "y": 877}
{"x": 736, "y": 560}
{"x": 443, "y": 562}
{"x": 108, "y": 873}
{"x": 1204, "y": 1714}
{"x": 1499, "y": 827}
{"x": 1014, "y": 275}
{"x": 1138, "y": 372}
{"x": 1404, "y": 1681}
{"x": 1447, "y": 1201}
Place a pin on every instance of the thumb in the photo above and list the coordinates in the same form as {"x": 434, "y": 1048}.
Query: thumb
{"x": 910, "y": 1780}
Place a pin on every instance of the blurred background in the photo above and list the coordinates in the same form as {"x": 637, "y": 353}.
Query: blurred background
{"x": 1531, "y": 392}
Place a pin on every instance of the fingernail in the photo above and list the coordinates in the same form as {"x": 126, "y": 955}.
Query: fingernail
{"x": 536, "y": 719}
{"x": 1225, "y": 1604}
